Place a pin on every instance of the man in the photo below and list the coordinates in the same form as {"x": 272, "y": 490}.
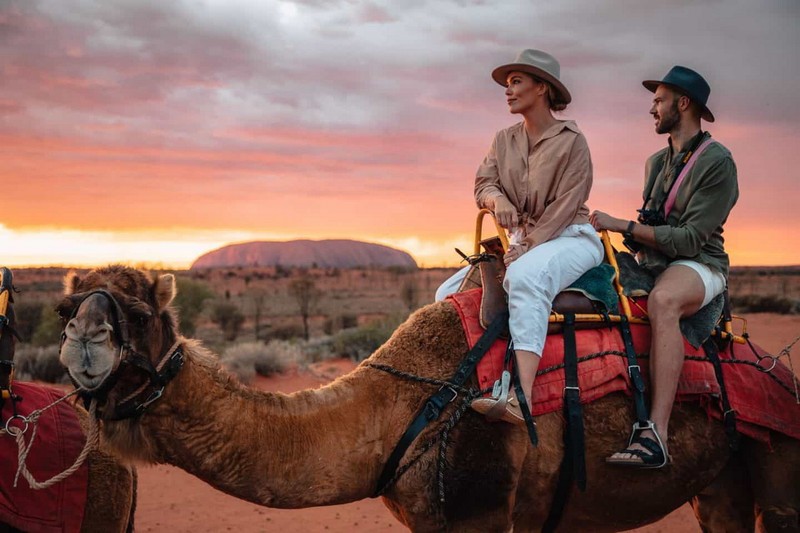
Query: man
{"x": 690, "y": 188}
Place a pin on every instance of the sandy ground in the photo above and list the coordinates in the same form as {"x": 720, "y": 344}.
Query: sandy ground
{"x": 171, "y": 500}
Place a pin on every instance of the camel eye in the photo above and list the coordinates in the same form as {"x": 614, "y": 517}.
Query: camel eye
{"x": 65, "y": 309}
{"x": 139, "y": 315}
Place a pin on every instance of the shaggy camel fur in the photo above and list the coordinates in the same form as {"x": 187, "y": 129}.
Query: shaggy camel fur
{"x": 327, "y": 446}
{"x": 111, "y": 490}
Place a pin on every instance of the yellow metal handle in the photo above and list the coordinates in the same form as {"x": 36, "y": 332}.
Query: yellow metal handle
{"x": 612, "y": 260}
{"x": 501, "y": 232}
{"x": 3, "y": 296}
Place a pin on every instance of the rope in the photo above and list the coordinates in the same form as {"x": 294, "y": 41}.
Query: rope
{"x": 92, "y": 439}
{"x": 787, "y": 351}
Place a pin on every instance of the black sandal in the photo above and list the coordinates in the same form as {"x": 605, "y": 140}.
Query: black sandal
{"x": 653, "y": 455}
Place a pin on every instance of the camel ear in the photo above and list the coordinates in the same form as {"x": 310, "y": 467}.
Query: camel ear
{"x": 71, "y": 281}
{"x": 165, "y": 290}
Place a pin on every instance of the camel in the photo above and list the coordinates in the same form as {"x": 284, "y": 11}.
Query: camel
{"x": 328, "y": 446}
{"x": 111, "y": 490}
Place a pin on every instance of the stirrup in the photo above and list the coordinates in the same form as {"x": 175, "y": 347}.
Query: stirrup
{"x": 500, "y": 393}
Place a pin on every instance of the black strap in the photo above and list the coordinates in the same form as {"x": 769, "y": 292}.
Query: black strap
{"x": 530, "y": 425}
{"x": 635, "y": 373}
{"x": 728, "y": 414}
{"x": 573, "y": 465}
{"x": 677, "y": 172}
{"x": 435, "y": 404}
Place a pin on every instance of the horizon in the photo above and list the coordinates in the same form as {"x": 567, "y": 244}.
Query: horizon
{"x": 144, "y": 132}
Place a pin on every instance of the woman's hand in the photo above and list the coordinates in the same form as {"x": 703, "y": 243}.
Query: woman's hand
{"x": 505, "y": 213}
{"x": 514, "y": 252}
{"x": 601, "y": 221}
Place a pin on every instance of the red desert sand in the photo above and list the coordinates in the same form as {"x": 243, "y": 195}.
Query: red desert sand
{"x": 172, "y": 500}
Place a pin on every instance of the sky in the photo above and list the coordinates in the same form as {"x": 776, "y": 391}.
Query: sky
{"x": 151, "y": 132}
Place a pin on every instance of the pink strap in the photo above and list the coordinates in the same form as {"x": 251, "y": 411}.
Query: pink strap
{"x": 673, "y": 194}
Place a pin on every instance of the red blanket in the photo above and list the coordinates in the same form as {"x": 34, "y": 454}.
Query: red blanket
{"x": 59, "y": 441}
{"x": 760, "y": 402}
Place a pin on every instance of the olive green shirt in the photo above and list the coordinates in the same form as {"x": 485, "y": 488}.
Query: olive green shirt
{"x": 704, "y": 200}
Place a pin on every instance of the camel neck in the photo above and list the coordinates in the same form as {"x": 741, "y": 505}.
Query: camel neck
{"x": 315, "y": 447}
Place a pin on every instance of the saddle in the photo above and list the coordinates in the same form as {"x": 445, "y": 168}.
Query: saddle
{"x": 488, "y": 272}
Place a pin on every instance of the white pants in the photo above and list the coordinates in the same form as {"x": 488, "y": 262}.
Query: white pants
{"x": 535, "y": 278}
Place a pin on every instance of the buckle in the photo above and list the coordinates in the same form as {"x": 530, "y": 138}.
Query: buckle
{"x": 153, "y": 397}
{"x": 451, "y": 389}
{"x": 630, "y": 372}
{"x": 568, "y": 388}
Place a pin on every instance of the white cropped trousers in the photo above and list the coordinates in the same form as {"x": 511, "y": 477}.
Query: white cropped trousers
{"x": 536, "y": 277}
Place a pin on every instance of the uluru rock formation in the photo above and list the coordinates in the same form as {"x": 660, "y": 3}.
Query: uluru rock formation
{"x": 341, "y": 253}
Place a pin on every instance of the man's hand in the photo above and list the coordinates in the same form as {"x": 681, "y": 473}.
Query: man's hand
{"x": 601, "y": 221}
{"x": 514, "y": 252}
{"x": 505, "y": 213}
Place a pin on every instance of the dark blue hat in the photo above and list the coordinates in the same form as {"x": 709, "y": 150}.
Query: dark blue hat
{"x": 688, "y": 82}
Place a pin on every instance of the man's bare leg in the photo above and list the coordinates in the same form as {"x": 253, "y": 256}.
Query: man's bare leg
{"x": 678, "y": 293}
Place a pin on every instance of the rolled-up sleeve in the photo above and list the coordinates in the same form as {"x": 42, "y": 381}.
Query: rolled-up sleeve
{"x": 487, "y": 178}
{"x": 572, "y": 192}
{"x": 707, "y": 210}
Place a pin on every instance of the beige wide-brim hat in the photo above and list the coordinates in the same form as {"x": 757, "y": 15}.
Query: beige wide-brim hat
{"x": 537, "y": 63}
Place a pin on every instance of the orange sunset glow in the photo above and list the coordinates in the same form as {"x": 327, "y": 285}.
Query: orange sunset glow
{"x": 153, "y": 132}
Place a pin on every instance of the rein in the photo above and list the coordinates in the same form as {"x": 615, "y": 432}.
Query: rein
{"x": 159, "y": 375}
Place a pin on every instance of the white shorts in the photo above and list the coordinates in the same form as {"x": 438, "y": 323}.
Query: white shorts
{"x": 713, "y": 281}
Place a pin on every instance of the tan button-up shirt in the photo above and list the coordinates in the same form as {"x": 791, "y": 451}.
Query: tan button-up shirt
{"x": 548, "y": 184}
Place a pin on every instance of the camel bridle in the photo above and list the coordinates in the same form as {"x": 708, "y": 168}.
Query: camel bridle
{"x": 158, "y": 375}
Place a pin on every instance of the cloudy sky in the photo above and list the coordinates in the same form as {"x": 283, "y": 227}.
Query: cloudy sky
{"x": 152, "y": 131}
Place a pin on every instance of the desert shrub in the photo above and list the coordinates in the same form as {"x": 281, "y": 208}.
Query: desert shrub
{"x": 28, "y": 314}
{"x": 340, "y": 322}
{"x": 189, "y": 302}
{"x": 285, "y": 332}
{"x": 246, "y": 359}
{"x": 757, "y": 303}
{"x": 359, "y": 343}
{"x": 48, "y": 331}
{"x": 229, "y": 319}
{"x": 316, "y": 350}
{"x": 39, "y": 364}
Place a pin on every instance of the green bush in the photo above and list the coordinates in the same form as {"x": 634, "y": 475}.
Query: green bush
{"x": 48, "y": 331}
{"x": 39, "y": 364}
{"x": 285, "y": 332}
{"x": 29, "y": 314}
{"x": 246, "y": 359}
{"x": 189, "y": 302}
{"x": 359, "y": 343}
{"x": 229, "y": 319}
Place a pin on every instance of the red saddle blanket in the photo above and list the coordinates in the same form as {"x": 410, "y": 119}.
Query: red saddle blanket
{"x": 762, "y": 401}
{"x": 59, "y": 441}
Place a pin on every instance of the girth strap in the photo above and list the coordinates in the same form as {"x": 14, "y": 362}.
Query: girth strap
{"x": 573, "y": 465}
{"x": 435, "y": 404}
{"x": 635, "y": 373}
{"x": 530, "y": 425}
{"x": 728, "y": 414}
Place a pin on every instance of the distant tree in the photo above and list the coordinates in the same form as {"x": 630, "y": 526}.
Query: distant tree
{"x": 229, "y": 319}
{"x": 189, "y": 302}
{"x": 48, "y": 330}
{"x": 259, "y": 299}
{"x": 29, "y": 314}
{"x": 306, "y": 294}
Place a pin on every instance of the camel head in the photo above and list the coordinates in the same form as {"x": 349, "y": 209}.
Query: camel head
{"x": 118, "y": 326}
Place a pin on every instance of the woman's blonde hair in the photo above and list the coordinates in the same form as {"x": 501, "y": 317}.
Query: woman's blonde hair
{"x": 554, "y": 99}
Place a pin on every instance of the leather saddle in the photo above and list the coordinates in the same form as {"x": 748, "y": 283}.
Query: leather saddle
{"x": 488, "y": 271}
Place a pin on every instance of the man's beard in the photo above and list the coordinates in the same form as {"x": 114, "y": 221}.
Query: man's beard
{"x": 669, "y": 121}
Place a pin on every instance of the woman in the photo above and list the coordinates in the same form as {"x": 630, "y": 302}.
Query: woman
{"x": 536, "y": 179}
